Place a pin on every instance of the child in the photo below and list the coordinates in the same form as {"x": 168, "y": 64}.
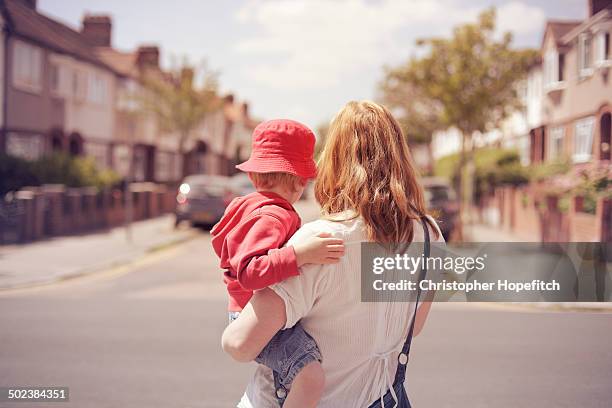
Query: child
{"x": 249, "y": 241}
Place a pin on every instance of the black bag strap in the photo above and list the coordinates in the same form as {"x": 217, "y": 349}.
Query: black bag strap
{"x": 400, "y": 374}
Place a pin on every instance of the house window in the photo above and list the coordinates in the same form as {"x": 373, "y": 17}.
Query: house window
{"x": 99, "y": 152}
{"x": 29, "y": 147}
{"x": 556, "y": 136}
{"x": 554, "y": 64}
{"x": 60, "y": 79}
{"x": 79, "y": 85}
{"x": 583, "y": 139}
{"x": 584, "y": 55}
{"x": 121, "y": 159}
{"x": 127, "y": 99}
{"x": 27, "y": 67}
{"x": 96, "y": 90}
{"x": 55, "y": 78}
{"x": 163, "y": 166}
{"x": 602, "y": 44}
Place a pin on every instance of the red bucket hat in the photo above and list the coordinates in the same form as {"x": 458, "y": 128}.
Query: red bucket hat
{"x": 282, "y": 145}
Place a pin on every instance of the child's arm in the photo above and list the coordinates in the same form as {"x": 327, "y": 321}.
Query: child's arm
{"x": 256, "y": 253}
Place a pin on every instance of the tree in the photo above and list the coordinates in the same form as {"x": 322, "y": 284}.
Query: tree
{"x": 321, "y": 131}
{"x": 467, "y": 81}
{"x": 418, "y": 115}
{"x": 179, "y": 102}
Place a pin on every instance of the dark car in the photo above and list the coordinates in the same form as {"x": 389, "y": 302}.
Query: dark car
{"x": 202, "y": 199}
{"x": 441, "y": 201}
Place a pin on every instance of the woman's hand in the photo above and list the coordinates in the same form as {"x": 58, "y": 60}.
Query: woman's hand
{"x": 320, "y": 249}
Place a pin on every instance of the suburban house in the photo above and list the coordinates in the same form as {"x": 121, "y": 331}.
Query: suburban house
{"x": 212, "y": 147}
{"x": 568, "y": 110}
{"x": 69, "y": 90}
{"x": 565, "y": 118}
{"x": 137, "y": 134}
{"x": 56, "y": 93}
{"x": 577, "y": 100}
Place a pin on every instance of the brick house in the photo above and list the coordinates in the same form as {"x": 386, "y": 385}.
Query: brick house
{"x": 569, "y": 120}
{"x": 56, "y": 93}
{"x": 213, "y": 145}
{"x": 69, "y": 90}
{"x": 137, "y": 136}
{"x": 577, "y": 90}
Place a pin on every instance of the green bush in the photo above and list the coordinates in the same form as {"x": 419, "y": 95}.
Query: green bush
{"x": 543, "y": 171}
{"x": 493, "y": 167}
{"x": 15, "y": 173}
{"x": 56, "y": 168}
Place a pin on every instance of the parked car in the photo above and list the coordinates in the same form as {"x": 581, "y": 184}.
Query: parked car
{"x": 201, "y": 199}
{"x": 441, "y": 201}
{"x": 241, "y": 184}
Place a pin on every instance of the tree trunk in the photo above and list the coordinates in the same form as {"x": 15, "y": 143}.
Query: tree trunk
{"x": 465, "y": 188}
{"x": 430, "y": 157}
{"x": 184, "y": 157}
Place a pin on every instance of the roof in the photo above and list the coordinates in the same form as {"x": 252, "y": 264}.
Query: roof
{"x": 559, "y": 28}
{"x": 603, "y": 15}
{"x": 38, "y": 28}
{"x": 122, "y": 62}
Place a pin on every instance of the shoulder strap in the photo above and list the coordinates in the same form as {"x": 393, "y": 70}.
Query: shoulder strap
{"x": 403, "y": 357}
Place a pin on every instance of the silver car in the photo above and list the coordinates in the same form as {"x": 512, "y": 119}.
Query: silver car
{"x": 201, "y": 199}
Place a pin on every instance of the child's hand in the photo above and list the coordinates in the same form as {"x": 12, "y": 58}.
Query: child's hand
{"x": 321, "y": 249}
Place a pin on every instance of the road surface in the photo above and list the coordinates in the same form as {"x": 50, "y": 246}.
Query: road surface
{"x": 148, "y": 336}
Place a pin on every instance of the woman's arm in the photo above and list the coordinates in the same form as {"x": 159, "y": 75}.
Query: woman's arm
{"x": 423, "y": 312}
{"x": 260, "y": 320}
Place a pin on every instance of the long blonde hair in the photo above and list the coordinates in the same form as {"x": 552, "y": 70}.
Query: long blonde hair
{"x": 366, "y": 166}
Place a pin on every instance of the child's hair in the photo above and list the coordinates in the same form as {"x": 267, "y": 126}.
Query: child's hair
{"x": 270, "y": 180}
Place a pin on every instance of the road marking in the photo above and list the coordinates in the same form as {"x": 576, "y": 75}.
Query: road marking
{"x": 102, "y": 275}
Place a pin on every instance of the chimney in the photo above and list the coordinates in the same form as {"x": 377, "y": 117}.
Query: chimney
{"x": 245, "y": 109}
{"x": 595, "y": 6}
{"x": 29, "y": 3}
{"x": 147, "y": 56}
{"x": 228, "y": 99}
{"x": 97, "y": 30}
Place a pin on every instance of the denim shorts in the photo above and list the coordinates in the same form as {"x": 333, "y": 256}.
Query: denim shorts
{"x": 288, "y": 352}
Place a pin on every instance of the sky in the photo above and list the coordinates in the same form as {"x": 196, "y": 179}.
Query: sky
{"x": 302, "y": 59}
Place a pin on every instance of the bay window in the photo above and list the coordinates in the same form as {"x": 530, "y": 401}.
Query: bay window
{"x": 557, "y": 134}
{"x": 602, "y": 48}
{"x": 583, "y": 139}
{"x": 584, "y": 55}
{"x": 27, "y": 67}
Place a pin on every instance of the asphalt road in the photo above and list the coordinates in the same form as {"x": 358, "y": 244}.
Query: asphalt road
{"x": 148, "y": 336}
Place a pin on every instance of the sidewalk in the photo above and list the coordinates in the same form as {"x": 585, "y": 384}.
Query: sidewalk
{"x": 60, "y": 258}
{"x": 486, "y": 233}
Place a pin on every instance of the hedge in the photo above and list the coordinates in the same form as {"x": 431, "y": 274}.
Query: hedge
{"x": 56, "y": 168}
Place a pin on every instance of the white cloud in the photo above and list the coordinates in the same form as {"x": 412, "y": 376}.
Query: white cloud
{"x": 520, "y": 18}
{"x": 321, "y": 53}
{"x": 315, "y": 43}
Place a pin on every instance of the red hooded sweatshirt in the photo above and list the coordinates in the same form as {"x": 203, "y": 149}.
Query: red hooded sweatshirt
{"x": 249, "y": 240}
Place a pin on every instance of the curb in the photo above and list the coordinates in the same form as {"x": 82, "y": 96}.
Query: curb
{"x": 96, "y": 269}
{"x": 552, "y": 307}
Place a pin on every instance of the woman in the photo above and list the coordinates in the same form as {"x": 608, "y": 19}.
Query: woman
{"x": 368, "y": 191}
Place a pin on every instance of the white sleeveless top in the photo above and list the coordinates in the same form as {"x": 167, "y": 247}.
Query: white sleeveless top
{"x": 359, "y": 341}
